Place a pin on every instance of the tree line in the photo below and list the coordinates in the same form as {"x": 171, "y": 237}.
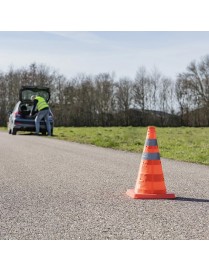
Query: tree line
{"x": 100, "y": 100}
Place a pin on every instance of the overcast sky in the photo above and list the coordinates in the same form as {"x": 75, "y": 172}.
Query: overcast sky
{"x": 93, "y": 52}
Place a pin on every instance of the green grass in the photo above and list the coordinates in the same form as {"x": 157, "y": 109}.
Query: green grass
{"x": 112, "y": 137}
{"x": 3, "y": 128}
{"x": 182, "y": 143}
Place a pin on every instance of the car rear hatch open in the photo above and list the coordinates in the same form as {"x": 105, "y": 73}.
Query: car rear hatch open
{"x": 26, "y": 92}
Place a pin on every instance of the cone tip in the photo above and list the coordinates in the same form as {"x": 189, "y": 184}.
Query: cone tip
{"x": 151, "y": 128}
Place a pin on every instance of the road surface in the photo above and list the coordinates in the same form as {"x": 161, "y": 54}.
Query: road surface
{"x": 52, "y": 189}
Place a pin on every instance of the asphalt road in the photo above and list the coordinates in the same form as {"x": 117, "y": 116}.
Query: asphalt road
{"x": 52, "y": 189}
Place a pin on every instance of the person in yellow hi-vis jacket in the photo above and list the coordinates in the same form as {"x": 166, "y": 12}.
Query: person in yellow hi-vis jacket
{"x": 43, "y": 113}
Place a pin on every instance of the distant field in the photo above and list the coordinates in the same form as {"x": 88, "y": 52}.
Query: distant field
{"x": 182, "y": 143}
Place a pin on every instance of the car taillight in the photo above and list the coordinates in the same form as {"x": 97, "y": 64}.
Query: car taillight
{"x": 17, "y": 114}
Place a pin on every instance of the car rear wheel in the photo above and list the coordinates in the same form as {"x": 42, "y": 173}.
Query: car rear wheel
{"x": 10, "y": 132}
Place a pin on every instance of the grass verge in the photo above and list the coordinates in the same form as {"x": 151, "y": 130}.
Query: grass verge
{"x": 182, "y": 143}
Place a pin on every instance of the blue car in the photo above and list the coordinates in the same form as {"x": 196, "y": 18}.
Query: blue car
{"x": 20, "y": 119}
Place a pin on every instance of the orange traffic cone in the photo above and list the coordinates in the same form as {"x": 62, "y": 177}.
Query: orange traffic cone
{"x": 150, "y": 181}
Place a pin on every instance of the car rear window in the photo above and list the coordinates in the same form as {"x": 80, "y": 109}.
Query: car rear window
{"x": 27, "y": 93}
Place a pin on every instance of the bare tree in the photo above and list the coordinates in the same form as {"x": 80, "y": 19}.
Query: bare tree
{"x": 165, "y": 99}
{"x": 184, "y": 97}
{"x": 105, "y": 98}
{"x": 195, "y": 84}
{"x": 3, "y": 101}
{"x": 124, "y": 95}
{"x": 141, "y": 88}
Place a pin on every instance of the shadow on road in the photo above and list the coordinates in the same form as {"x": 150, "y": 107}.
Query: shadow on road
{"x": 191, "y": 199}
{"x": 32, "y": 134}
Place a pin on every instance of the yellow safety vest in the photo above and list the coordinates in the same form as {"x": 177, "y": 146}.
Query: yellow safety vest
{"x": 41, "y": 103}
